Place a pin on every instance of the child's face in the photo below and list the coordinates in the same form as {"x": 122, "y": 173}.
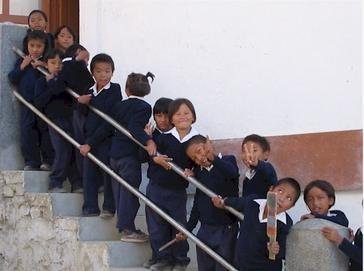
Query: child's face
{"x": 256, "y": 150}
{"x": 318, "y": 201}
{"x": 162, "y": 122}
{"x": 102, "y": 73}
{"x": 54, "y": 65}
{"x": 36, "y": 48}
{"x": 197, "y": 153}
{"x": 183, "y": 118}
{"x": 286, "y": 195}
{"x": 37, "y": 22}
{"x": 64, "y": 39}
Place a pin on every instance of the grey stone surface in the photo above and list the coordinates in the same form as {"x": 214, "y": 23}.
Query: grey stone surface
{"x": 10, "y": 155}
{"x": 308, "y": 250}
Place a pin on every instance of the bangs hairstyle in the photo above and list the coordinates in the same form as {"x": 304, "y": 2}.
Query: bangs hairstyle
{"x": 34, "y": 35}
{"x": 175, "y": 105}
{"x": 72, "y": 50}
{"x": 69, "y": 29}
{"x": 138, "y": 84}
{"x": 102, "y": 58}
{"x": 161, "y": 105}
{"x": 44, "y": 15}
{"x": 322, "y": 185}
{"x": 53, "y": 53}
{"x": 260, "y": 140}
{"x": 293, "y": 183}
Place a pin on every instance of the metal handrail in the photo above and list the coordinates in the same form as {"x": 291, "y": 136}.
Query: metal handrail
{"x": 134, "y": 191}
{"x": 120, "y": 128}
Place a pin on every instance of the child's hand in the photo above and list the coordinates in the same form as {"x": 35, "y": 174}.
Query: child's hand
{"x": 85, "y": 149}
{"x": 249, "y": 155}
{"x": 83, "y": 55}
{"x": 209, "y": 150}
{"x": 26, "y": 61}
{"x": 163, "y": 160}
{"x": 149, "y": 129}
{"x": 181, "y": 236}
{"x": 307, "y": 216}
{"x": 332, "y": 235}
{"x": 37, "y": 63}
{"x": 151, "y": 147}
{"x": 188, "y": 172}
{"x": 49, "y": 76}
{"x": 218, "y": 202}
{"x": 84, "y": 99}
{"x": 273, "y": 248}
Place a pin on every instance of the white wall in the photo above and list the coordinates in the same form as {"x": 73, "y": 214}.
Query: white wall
{"x": 269, "y": 67}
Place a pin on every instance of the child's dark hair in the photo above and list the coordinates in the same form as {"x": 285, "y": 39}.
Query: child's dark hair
{"x": 102, "y": 58}
{"x": 175, "y": 105}
{"x": 293, "y": 183}
{"x": 138, "y": 84}
{"x": 44, "y": 15}
{"x": 196, "y": 139}
{"x": 53, "y": 53}
{"x": 72, "y": 50}
{"x": 34, "y": 35}
{"x": 260, "y": 140}
{"x": 69, "y": 29}
{"x": 161, "y": 105}
{"x": 322, "y": 185}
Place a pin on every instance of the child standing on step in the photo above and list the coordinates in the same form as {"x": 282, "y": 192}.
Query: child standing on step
{"x": 167, "y": 189}
{"x": 104, "y": 95}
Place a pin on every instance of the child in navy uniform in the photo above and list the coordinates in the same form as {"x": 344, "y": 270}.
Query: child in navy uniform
{"x": 64, "y": 37}
{"x": 319, "y": 196}
{"x": 105, "y": 95}
{"x": 218, "y": 228}
{"x": 167, "y": 189}
{"x": 50, "y": 94}
{"x": 35, "y": 142}
{"x": 252, "y": 250}
{"x": 261, "y": 174}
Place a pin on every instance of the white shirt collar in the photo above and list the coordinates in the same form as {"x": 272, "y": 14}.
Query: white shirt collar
{"x": 174, "y": 132}
{"x": 250, "y": 173}
{"x": 262, "y": 203}
{"x": 211, "y": 166}
{"x": 94, "y": 89}
{"x": 67, "y": 59}
{"x": 135, "y": 97}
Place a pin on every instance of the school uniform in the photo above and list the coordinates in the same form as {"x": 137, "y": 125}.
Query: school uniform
{"x": 94, "y": 176}
{"x": 49, "y": 45}
{"x": 251, "y": 250}
{"x": 77, "y": 77}
{"x": 218, "y": 228}
{"x": 168, "y": 190}
{"x": 259, "y": 179}
{"x": 34, "y": 142}
{"x": 57, "y": 106}
{"x": 354, "y": 251}
{"x": 335, "y": 216}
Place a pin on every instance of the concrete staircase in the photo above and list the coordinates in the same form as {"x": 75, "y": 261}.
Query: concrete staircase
{"x": 47, "y": 230}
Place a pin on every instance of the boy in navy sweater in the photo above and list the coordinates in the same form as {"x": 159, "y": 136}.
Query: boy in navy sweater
{"x": 104, "y": 95}
{"x": 218, "y": 228}
{"x": 260, "y": 175}
{"x": 50, "y": 94}
{"x": 35, "y": 142}
{"x": 252, "y": 249}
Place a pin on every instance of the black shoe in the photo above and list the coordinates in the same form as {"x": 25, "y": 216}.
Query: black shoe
{"x": 90, "y": 214}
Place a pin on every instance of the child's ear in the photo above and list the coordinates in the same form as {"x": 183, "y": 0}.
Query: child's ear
{"x": 331, "y": 202}
{"x": 266, "y": 155}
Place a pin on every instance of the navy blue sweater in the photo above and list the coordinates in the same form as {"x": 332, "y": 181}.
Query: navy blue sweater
{"x": 133, "y": 114}
{"x": 335, "y": 216}
{"x": 265, "y": 176}
{"x": 169, "y": 145}
{"x": 51, "y": 97}
{"x": 105, "y": 100}
{"x": 25, "y": 79}
{"x": 251, "y": 251}
{"x": 223, "y": 179}
{"x": 354, "y": 251}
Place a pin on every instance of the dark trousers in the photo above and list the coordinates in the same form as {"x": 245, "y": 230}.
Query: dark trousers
{"x": 93, "y": 178}
{"x": 34, "y": 139}
{"x": 222, "y": 240}
{"x": 127, "y": 205}
{"x": 173, "y": 202}
{"x": 63, "y": 165}
{"x": 78, "y": 121}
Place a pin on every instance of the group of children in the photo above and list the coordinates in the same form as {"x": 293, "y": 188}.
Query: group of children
{"x": 173, "y": 139}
